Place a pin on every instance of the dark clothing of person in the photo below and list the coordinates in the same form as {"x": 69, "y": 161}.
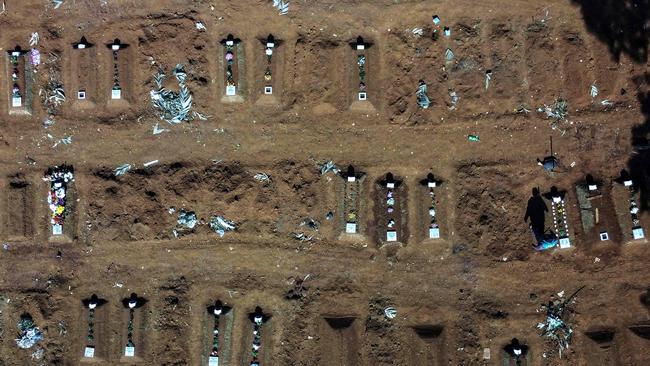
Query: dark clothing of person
{"x": 536, "y": 212}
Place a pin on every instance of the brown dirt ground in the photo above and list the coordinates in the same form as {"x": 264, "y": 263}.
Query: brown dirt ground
{"x": 477, "y": 287}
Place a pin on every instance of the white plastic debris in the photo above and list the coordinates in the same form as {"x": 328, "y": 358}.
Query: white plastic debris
{"x": 220, "y": 225}
{"x": 328, "y": 166}
{"x": 390, "y": 312}
{"x": 57, "y": 3}
{"x": 283, "y": 8}
{"x": 454, "y": 100}
{"x": 157, "y": 130}
{"x": 187, "y": 219}
{"x": 200, "y": 26}
{"x": 262, "y": 177}
{"x": 422, "y": 97}
{"x": 33, "y": 40}
{"x": 449, "y": 54}
{"x": 488, "y": 77}
{"x": 150, "y": 163}
{"x": 606, "y": 102}
{"x": 418, "y": 32}
{"x": 122, "y": 169}
{"x": 29, "y": 333}
{"x": 594, "y": 91}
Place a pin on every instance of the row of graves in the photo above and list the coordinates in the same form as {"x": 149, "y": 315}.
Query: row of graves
{"x": 217, "y": 340}
{"x": 608, "y": 212}
{"x": 90, "y": 89}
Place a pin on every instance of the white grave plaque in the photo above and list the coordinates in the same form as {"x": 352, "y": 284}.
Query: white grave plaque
{"x": 351, "y": 228}
{"x": 361, "y": 46}
{"x": 352, "y": 178}
{"x": 637, "y": 233}
{"x": 390, "y": 185}
{"x": 431, "y": 184}
{"x": 604, "y": 236}
{"x": 116, "y": 94}
{"x": 391, "y": 235}
{"x": 81, "y": 94}
{"x": 129, "y": 351}
{"x": 81, "y": 46}
{"x": 268, "y": 90}
{"x": 434, "y": 233}
{"x": 270, "y": 44}
{"x": 231, "y": 90}
{"x": 16, "y": 102}
{"x": 363, "y": 96}
{"x": 89, "y": 352}
{"x": 213, "y": 361}
{"x": 57, "y": 229}
{"x": 592, "y": 187}
{"x": 229, "y": 43}
{"x": 115, "y": 47}
{"x": 627, "y": 183}
{"x": 565, "y": 243}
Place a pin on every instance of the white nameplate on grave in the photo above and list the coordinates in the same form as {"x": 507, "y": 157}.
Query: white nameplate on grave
{"x": 81, "y": 46}
{"x": 231, "y": 90}
{"x": 57, "y": 229}
{"x": 229, "y": 43}
{"x": 270, "y": 44}
{"x": 363, "y": 96}
{"x": 637, "y": 233}
{"x": 116, "y": 94}
{"x": 592, "y": 187}
{"x": 627, "y": 183}
{"x": 565, "y": 243}
{"x": 361, "y": 46}
{"x": 434, "y": 233}
{"x": 89, "y": 352}
{"x": 390, "y": 185}
{"x": 115, "y": 47}
{"x": 16, "y": 102}
{"x": 129, "y": 351}
{"x": 213, "y": 361}
{"x": 15, "y": 53}
{"x": 557, "y": 199}
{"x": 604, "y": 236}
{"x": 351, "y": 228}
{"x": 391, "y": 235}
{"x": 81, "y": 95}
{"x": 268, "y": 90}
{"x": 352, "y": 179}
{"x": 431, "y": 184}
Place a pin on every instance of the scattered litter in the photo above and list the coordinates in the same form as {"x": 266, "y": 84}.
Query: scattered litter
{"x": 301, "y": 236}
{"x": 57, "y": 3}
{"x": 310, "y": 223}
{"x": 63, "y": 141}
{"x": 33, "y": 40}
{"x": 488, "y": 77}
{"x": 29, "y": 333}
{"x": 572, "y": 164}
{"x": 449, "y": 54}
{"x": 171, "y": 210}
{"x": 473, "y": 138}
{"x": 555, "y": 326}
{"x": 558, "y": 110}
{"x": 48, "y": 121}
{"x": 596, "y": 260}
{"x": 418, "y": 32}
{"x": 594, "y": 91}
{"x": 174, "y": 107}
{"x": 436, "y": 20}
{"x": 486, "y": 353}
{"x": 329, "y": 215}
{"x": 117, "y": 284}
{"x": 522, "y": 109}
{"x": 5, "y": 246}
{"x": 328, "y": 166}
{"x": 298, "y": 289}
{"x": 4, "y": 8}
{"x": 200, "y": 26}
{"x": 454, "y": 100}
{"x": 38, "y": 354}
{"x": 606, "y": 102}
{"x": 447, "y": 32}
{"x": 390, "y": 312}
{"x": 282, "y": 7}
{"x": 262, "y": 177}
{"x": 122, "y": 169}
{"x": 220, "y": 225}
{"x": 150, "y": 163}
{"x": 423, "y": 98}
{"x": 187, "y": 219}
{"x": 157, "y": 130}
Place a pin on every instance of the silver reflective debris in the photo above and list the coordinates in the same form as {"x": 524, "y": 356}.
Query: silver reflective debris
{"x": 488, "y": 77}
{"x": 390, "y": 312}
{"x": 157, "y": 130}
{"x": 328, "y": 166}
{"x": 559, "y": 110}
{"x": 418, "y": 32}
{"x": 449, "y": 54}
{"x": 57, "y": 3}
{"x": 187, "y": 219}
{"x": 262, "y": 177}
{"x": 33, "y": 40}
{"x": 220, "y": 225}
{"x": 283, "y": 8}
{"x": 122, "y": 169}
{"x": 200, "y": 26}
{"x": 594, "y": 91}
{"x": 173, "y": 107}
{"x": 421, "y": 94}
{"x": 454, "y": 100}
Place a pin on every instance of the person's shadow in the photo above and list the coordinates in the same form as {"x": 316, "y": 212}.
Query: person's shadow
{"x": 536, "y": 212}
